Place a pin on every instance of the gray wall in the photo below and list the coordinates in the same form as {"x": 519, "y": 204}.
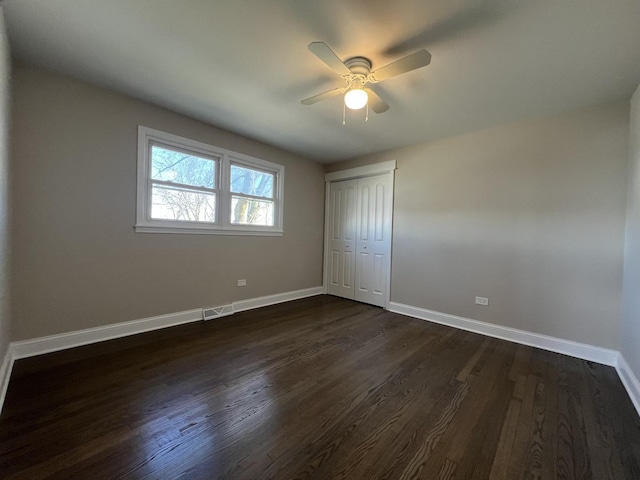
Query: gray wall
{"x": 77, "y": 262}
{"x": 630, "y": 326}
{"x": 4, "y": 191}
{"x": 530, "y": 215}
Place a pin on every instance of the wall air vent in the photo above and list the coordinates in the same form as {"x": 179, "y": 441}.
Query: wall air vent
{"x": 215, "y": 312}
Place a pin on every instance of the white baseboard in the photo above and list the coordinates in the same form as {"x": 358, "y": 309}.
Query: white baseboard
{"x": 52, "y": 343}
{"x": 258, "y": 302}
{"x": 630, "y": 381}
{"x": 553, "y": 344}
{"x": 63, "y": 341}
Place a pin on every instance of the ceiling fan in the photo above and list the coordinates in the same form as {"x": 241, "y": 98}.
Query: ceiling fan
{"x": 356, "y": 72}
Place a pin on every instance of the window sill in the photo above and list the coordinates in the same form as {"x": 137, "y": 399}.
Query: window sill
{"x": 208, "y": 231}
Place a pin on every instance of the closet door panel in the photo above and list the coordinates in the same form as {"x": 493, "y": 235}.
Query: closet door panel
{"x": 375, "y": 204}
{"x": 342, "y": 236}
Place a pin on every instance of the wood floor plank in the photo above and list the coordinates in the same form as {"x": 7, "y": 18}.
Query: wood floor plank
{"x": 520, "y": 450}
{"x": 564, "y": 449}
{"x": 581, "y": 458}
{"x": 601, "y": 444}
{"x": 319, "y": 388}
{"x": 536, "y": 447}
{"x": 418, "y": 461}
{"x": 507, "y": 437}
{"x": 473, "y": 436}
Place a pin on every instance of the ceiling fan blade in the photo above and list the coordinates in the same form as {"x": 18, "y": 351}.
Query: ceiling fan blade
{"x": 323, "y": 96}
{"x": 375, "y": 102}
{"x": 421, "y": 58}
{"x": 324, "y": 53}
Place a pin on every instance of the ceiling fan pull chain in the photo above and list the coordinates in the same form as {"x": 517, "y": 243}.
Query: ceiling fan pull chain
{"x": 366, "y": 117}
{"x": 344, "y": 114}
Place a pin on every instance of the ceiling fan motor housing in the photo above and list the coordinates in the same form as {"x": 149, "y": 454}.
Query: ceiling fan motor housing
{"x": 359, "y": 65}
{"x": 360, "y": 69}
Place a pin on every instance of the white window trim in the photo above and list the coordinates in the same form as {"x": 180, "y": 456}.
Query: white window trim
{"x": 223, "y": 225}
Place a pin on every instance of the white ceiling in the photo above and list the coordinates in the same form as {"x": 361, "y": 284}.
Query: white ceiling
{"x": 244, "y": 65}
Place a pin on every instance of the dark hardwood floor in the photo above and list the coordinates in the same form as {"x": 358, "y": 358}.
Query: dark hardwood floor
{"x": 320, "y": 388}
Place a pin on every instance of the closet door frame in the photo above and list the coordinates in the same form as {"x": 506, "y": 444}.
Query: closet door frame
{"x": 381, "y": 168}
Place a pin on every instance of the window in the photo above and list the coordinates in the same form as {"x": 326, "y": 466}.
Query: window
{"x": 183, "y": 185}
{"x": 251, "y": 196}
{"x": 186, "y": 186}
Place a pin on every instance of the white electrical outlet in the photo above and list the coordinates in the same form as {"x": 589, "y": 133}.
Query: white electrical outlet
{"x": 242, "y": 283}
{"x": 482, "y": 301}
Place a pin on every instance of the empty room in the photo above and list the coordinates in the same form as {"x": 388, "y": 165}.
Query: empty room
{"x": 300, "y": 239}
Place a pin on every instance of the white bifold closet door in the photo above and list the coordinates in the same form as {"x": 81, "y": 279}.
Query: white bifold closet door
{"x": 360, "y": 213}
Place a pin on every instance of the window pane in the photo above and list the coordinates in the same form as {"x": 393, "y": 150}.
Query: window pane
{"x": 169, "y": 203}
{"x": 247, "y": 211}
{"x": 173, "y": 166}
{"x": 251, "y": 182}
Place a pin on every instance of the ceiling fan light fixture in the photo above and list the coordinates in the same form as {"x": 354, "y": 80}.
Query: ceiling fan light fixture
{"x": 355, "y": 98}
